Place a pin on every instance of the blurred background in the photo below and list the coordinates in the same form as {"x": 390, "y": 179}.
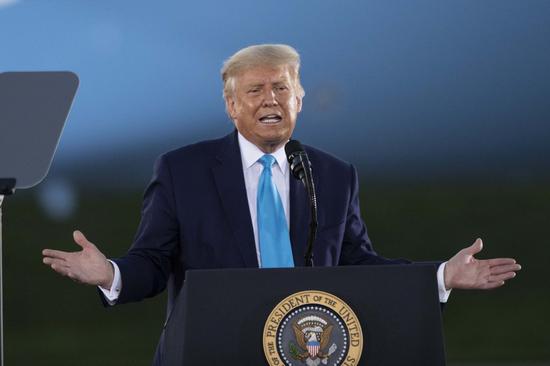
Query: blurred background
{"x": 444, "y": 107}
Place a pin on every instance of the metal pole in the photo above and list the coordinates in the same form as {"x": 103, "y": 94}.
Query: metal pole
{"x": 1, "y": 291}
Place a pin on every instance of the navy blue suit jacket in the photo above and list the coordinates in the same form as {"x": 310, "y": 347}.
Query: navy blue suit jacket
{"x": 195, "y": 216}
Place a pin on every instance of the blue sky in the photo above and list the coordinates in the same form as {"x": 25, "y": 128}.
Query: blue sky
{"x": 399, "y": 86}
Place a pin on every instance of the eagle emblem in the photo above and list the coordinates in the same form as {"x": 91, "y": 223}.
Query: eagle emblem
{"x": 312, "y": 328}
{"x": 312, "y": 335}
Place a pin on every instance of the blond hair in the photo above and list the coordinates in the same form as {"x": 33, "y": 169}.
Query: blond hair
{"x": 274, "y": 55}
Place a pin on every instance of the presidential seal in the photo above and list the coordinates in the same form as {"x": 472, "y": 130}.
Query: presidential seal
{"x": 312, "y": 328}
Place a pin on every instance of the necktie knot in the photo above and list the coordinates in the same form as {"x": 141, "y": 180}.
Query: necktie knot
{"x": 267, "y": 161}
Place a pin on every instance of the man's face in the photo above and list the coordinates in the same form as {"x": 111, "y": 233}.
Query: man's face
{"x": 264, "y": 106}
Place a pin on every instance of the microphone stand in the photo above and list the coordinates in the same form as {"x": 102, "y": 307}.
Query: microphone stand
{"x": 7, "y": 187}
{"x": 300, "y": 167}
{"x": 312, "y": 198}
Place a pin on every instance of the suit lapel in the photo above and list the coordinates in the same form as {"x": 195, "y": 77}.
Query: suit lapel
{"x": 299, "y": 220}
{"x": 229, "y": 178}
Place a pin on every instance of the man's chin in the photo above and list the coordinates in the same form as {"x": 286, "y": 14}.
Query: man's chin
{"x": 270, "y": 145}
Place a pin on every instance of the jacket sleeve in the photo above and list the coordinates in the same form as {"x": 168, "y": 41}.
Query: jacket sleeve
{"x": 146, "y": 267}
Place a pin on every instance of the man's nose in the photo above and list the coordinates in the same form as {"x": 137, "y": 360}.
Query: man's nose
{"x": 270, "y": 98}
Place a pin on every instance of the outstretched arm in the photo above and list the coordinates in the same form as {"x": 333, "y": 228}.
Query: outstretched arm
{"x": 87, "y": 266}
{"x": 463, "y": 271}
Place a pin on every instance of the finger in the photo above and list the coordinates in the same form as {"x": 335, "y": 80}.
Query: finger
{"x": 65, "y": 270}
{"x": 500, "y": 261}
{"x": 59, "y": 268}
{"x": 55, "y": 254}
{"x": 475, "y": 247}
{"x": 492, "y": 285}
{"x": 80, "y": 239}
{"x": 49, "y": 261}
{"x": 502, "y": 277}
{"x": 496, "y": 270}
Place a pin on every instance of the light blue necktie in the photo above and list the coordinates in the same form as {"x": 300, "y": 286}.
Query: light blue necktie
{"x": 275, "y": 249}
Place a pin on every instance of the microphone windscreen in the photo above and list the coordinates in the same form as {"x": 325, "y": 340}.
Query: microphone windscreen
{"x": 293, "y": 147}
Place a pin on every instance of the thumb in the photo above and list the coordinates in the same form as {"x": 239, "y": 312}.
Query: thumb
{"x": 475, "y": 247}
{"x": 80, "y": 239}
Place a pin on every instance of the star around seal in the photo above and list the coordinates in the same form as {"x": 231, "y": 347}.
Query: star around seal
{"x": 312, "y": 328}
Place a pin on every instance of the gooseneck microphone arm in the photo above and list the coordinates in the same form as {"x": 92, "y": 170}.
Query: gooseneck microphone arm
{"x": 301, "y": 169}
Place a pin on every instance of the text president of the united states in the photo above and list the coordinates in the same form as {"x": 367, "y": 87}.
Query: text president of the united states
{"x": 213, "y": 204}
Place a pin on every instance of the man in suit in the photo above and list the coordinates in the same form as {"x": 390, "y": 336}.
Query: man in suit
{"x": 206, "y": 204}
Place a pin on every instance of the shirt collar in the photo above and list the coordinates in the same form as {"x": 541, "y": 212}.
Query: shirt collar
{"x": 250, "y": 154}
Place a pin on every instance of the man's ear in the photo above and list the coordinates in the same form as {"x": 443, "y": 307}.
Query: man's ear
{"x": 230, "y": 106}
{"x": 299, "y": 103}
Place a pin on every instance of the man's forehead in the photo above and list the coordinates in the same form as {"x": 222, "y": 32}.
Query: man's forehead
{"x": 263, "y": 74}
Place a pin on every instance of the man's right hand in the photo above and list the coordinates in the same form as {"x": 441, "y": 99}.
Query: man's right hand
{"x": 87, "y": 266}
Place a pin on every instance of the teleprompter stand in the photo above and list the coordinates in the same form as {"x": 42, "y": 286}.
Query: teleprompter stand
{"x": 220, "y": 315}
{"x": 33, "y": 110}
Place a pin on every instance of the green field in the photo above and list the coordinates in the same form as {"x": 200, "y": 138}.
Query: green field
{"x": 50, "y": 320}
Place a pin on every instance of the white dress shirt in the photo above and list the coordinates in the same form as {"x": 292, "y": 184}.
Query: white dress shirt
{"x": 252, "y": 170}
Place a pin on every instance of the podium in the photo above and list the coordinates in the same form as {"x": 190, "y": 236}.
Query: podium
{"x": 354, "y": 315}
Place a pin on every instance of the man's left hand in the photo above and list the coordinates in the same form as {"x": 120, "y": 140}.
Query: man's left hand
{"x": 463, "y": 271}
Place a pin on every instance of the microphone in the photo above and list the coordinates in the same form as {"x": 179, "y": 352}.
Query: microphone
{"x": 298, "y": 159}
{"x": 301, "y": 169}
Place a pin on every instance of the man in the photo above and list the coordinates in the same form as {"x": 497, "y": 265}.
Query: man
{"x": 206, "y": 205}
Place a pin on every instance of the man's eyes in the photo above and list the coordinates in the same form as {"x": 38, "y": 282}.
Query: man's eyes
{"x": 277, "y": 88}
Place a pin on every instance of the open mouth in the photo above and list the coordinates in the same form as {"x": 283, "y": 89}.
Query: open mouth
{"x": 270, "y": 118}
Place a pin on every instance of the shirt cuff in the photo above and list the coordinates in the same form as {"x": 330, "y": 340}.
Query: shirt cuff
{"x": 443, "y": 292}
{"x": 111, "y": 295}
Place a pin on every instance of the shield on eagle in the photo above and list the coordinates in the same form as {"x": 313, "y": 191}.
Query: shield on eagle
{"x": 313, "y": 348}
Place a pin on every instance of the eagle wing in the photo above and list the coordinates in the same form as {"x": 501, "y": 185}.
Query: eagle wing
{"x": 299, "y": 336}
{"x": 325, "y": 337}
